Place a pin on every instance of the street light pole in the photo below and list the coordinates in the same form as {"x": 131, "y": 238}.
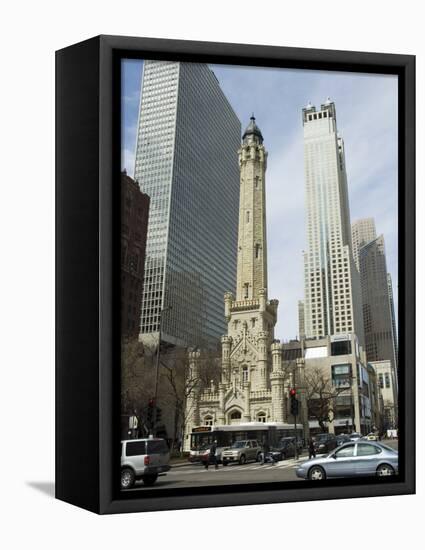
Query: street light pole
{"x": 158, "y": 353}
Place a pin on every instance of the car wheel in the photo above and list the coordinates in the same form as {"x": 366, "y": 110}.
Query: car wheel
{"x": 258, "y": 457}
{"x": 127, "y": 478}
{"x": 316, "y": 473}
{"x": 283, "y": 455}
{"x": 242, "y": 459}
{"x": 149, "y": 479}
{"x": 385, "y": 470}
{"x": 225, "y": 462}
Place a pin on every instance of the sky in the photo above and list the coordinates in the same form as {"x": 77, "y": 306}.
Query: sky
{"x": 366, "y": 109}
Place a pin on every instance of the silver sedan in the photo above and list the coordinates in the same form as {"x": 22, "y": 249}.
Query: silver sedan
{"x": 363, "y": 458}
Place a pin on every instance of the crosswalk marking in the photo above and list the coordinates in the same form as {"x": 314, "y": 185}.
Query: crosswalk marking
{"x": 267, "y": 466}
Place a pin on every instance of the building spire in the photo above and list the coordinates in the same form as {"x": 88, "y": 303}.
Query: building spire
{"x": 252, "y": 242}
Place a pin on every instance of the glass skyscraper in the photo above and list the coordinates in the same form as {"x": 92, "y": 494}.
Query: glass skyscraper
{"x": 332, "y": 301}
{"x": 186, "y": 161}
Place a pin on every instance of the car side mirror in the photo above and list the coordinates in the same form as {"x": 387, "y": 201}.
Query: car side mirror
{"x": 334, "y": 456}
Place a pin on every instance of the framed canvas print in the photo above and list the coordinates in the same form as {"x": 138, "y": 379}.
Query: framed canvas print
{"x": 235, "y": 274}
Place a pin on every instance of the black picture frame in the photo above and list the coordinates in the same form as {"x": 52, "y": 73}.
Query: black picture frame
{"x": 87, "y": 345}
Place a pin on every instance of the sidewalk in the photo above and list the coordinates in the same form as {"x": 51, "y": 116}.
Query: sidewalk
{"x": 177, "y": 462}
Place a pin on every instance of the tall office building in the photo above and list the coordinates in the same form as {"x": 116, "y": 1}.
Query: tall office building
{"x": 362, "y": 232}
{"x": 332, "y": 300}
{"x": 377, "y": 307}
{"x": 377, "y": 292}
{"x": 393, "y": 318}
{"x": 301, "y": 319}
{"x": 186, "y": 161}
{"x": 134, "y": 224}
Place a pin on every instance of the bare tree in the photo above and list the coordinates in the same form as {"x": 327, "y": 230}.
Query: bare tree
{"x": 321, "y": 396}
{"x": 178, "y": 383}
{"x": 137, "y": 379}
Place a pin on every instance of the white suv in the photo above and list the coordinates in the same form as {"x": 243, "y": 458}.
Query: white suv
{"x": 143, "y": 459}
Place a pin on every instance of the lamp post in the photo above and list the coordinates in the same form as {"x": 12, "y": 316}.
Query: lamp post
{"x": 158, "y": 353}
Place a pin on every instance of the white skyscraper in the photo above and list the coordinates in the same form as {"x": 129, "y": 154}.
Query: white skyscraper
{"x": 332, "y": 301}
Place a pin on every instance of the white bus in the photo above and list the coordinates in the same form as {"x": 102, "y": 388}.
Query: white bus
{"x": 226, "y": 435}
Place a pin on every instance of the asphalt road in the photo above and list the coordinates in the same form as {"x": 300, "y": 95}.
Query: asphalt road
{"x": 253, "y": 472}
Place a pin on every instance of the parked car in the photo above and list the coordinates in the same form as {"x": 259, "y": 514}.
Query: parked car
{"x": 143, "y": 459}
{"x": 285, "y": 448}
{"x": 242, "y": 451}
{"x": 324, "y": 443}
{"x": 355, "y": 436}
{"x": 371, "y": 437}
{"x": 363, "y": 458}
{"x": 341, "y": 439}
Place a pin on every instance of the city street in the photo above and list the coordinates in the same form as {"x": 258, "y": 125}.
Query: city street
{"x": 189, "y": 475}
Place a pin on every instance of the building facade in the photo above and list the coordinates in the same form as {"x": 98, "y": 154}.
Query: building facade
{"x": 186, "y": 161}
{"x": 387, "y": 382}
{"x": 254, "y": 385}
{"x": 336, "y": 377}
{"x": 134, "y": 224}
{"x": 332, "y": 298}
{"x": 362, "y": 232}
{"x": 377, "y": 307}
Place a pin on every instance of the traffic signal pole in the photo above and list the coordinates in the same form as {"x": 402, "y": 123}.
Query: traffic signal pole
{"x": 296, "y": 437}
{"x": 294, "y": 412}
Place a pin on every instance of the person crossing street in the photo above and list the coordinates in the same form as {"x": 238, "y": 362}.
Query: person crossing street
{"x": 212, "y": 456}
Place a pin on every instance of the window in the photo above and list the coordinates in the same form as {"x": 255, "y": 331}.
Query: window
{"x": 245, "y": 374}
{"x": 387, "y": 380}
{"x": 136, "y": 448}
{"x": 235, "y": 415}
{"x": 345, "y": 452}
{"x": 208, "y": 420}
{"x": 341, "y": 348}
{"x": 363, "y": 449}
{"x": 341, "y": 375}
{"x": 247, "y": 216}
{"x": 261, "y": 417}
{"x": 257, "y": 250}
{"x": 246, "y": 290}
{"x": 157, "y": 447}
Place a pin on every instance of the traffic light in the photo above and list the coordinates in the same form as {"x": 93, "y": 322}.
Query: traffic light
{"x": 294, "y": 407}
{"x": 294, "y": 401}
{"x": 149, "y": 412}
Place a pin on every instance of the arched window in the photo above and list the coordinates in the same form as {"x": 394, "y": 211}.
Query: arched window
{"x": 236, "y": 415}
{"x": 208, "y": 420}
{"x": 261, "y": 417}
{"x": 244, "y": 374}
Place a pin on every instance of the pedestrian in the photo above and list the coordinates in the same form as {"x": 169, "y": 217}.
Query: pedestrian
{"x": 265, "y": 450}
{"x": 133, "y": 424}
{"x": 311, "y": 449}
{"x": 212, "y": 456}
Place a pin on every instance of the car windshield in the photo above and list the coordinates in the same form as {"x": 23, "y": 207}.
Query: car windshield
{"x": 238, "y": 444}
{"x": 321, "y": 437}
